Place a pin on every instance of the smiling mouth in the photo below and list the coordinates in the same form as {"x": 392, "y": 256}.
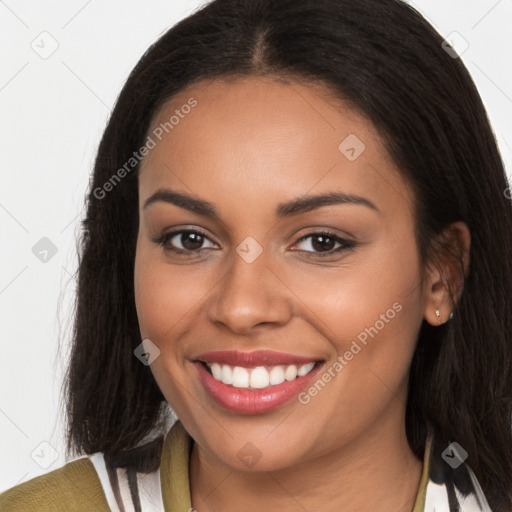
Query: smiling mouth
{"x": 257, "y": 377}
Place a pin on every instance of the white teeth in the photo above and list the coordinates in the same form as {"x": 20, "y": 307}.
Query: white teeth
{"x": 216, "y": 369}
{"x": 305, "y": 368}
{"x": 259, "y": 377}
{"x": 227, "y": 374}
{"x": 240, "y": 377}
{"x": 290, "y": 372}
{"x": 277, "y": 375}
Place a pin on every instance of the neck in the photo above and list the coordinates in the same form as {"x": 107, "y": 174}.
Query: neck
{"x": 375, "y": 471}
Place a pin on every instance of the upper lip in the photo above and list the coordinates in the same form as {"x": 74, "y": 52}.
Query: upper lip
{"x": 255, "y": 358}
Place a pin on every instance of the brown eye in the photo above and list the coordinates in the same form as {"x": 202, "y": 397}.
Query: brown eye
{"x": 184, "y": 241}
{"x": 191, "y": 240}
{"x": 323, "y": 244}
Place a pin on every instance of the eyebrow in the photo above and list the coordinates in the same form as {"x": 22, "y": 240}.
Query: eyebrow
{"x": 297, "y": 206}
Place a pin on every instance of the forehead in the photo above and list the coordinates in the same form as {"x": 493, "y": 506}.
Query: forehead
{"x": 256, "y": 135}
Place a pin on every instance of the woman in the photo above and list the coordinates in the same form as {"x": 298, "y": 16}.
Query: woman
{"x": 297, "y": 241}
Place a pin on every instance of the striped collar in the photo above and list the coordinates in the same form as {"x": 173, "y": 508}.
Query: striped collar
{"x": 451, "y": 485}
{"x": 447, "y": 483}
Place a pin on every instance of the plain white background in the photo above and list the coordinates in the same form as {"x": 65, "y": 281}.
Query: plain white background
{"x": 54, "y": 109}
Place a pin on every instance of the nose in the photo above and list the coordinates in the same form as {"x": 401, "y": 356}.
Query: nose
{"x": 249, "y": 296}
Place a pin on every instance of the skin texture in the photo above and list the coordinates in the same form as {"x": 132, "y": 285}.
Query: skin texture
{"x": 247, "y": 146}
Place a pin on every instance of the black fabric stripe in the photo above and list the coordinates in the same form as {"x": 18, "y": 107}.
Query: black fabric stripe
{"x": 134, "y": 489}
{"x": 453, "y": 502}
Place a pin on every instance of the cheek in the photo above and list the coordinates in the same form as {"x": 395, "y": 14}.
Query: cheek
{"x": 370, "y": 311}
{"x": 164, "y": 294}
{"x": 163, "y": 299}
{"x": 372, "y": 322}
{"x": 158, "y": 305}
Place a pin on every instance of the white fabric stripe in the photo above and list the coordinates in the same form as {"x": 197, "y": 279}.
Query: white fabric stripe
{"x": 479, "y": 492}
{"x": 436, "y": 499}
{"x": 150, "y": 492}
{"x": 99, "y": 465}
{"x": 124, "y": 489}
{"x": 468, "y": 503}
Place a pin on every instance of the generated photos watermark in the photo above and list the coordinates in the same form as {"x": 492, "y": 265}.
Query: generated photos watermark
{"x": 151, "y": 143}
{"x": 355, "y": 347}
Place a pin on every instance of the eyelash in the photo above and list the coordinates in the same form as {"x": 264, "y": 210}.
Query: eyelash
{"x": 345, "y": 245}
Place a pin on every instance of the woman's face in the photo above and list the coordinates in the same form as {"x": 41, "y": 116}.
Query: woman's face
{"x": 259, "y": 272}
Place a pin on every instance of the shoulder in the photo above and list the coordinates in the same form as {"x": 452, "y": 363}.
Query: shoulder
{"x": 130, "y": 481}
{"x": 73, "y": 487}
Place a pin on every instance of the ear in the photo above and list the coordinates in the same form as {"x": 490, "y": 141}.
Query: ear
{"x": 444, "y": 279}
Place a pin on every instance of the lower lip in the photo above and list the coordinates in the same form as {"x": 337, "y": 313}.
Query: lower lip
{"x": 253, "y": 401}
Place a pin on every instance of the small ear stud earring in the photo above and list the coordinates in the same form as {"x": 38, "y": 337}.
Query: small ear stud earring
{"x": 438, "y": 315}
